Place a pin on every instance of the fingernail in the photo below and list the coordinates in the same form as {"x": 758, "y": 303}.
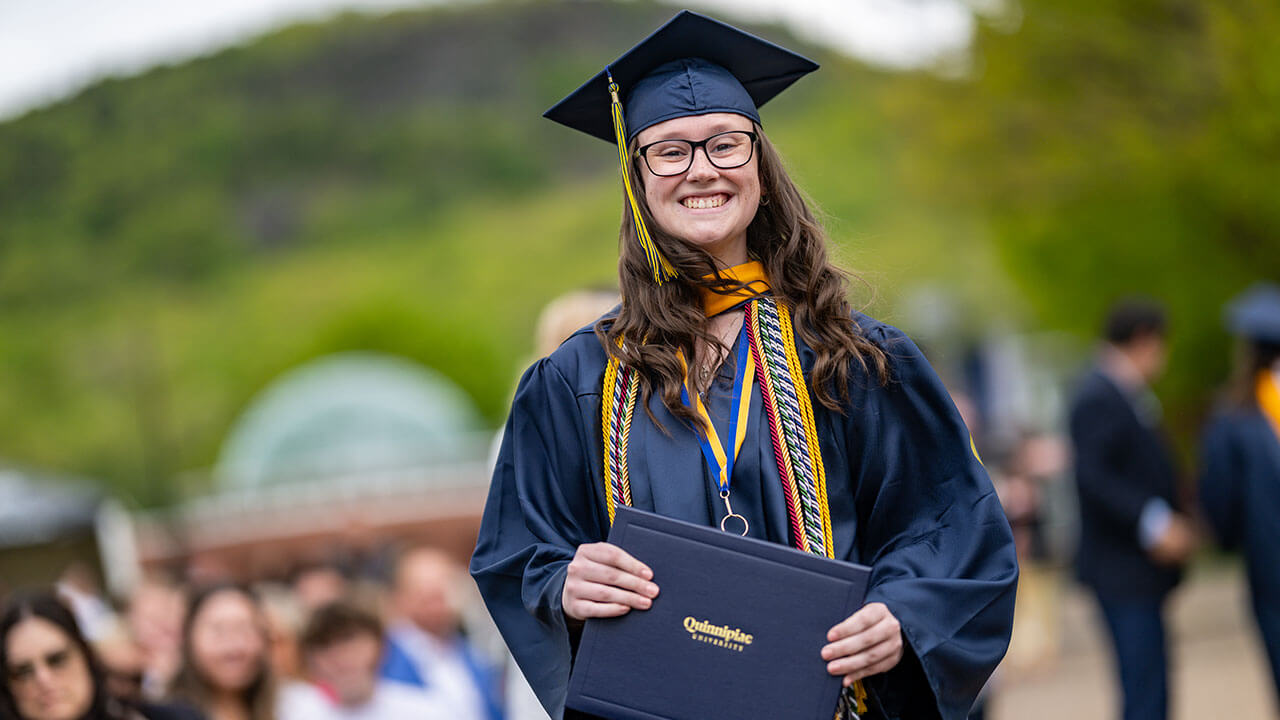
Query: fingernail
{"x": 652, "y": 590}
{"x": 646, "y": 602}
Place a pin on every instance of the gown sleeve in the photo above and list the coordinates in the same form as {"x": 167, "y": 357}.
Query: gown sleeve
{"x": 935, "y": 535}
{"x": 539, "y": 509}
{"x": 1220, "y": 473}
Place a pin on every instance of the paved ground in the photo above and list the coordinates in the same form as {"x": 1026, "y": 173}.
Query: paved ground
{"x": 1060, "y": 667}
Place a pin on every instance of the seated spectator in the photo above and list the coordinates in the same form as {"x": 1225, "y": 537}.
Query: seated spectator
{"x": 341, "y": 647}
{"x": 425, "y": 645}
{"x": 154, "y": 618}
{"x": 51, "y": 673}
{"x": 318, "y": 584}
{"x": 225, "y": 670}
{"x": 122, "y": 664}
{"x": 285, "y": 617}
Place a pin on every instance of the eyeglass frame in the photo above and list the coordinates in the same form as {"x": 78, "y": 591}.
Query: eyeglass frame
{"x": 693, "y": 150}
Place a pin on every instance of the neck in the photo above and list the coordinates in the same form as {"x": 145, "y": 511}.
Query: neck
{"x": 228, "y": 706}
{"x": 733, "y": 252}
{"x": 437, "y": 634}
{"x": 1121, "y": 367}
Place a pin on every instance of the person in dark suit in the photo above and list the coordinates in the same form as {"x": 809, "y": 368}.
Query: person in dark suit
{"x": 1134, "y": 534}
{"x": 1240, "y": 472}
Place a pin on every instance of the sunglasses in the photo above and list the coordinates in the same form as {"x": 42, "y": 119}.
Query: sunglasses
{"x": 54, "y": 661}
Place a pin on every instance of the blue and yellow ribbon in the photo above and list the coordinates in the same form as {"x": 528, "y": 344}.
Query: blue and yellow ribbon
{"x": 720, "y": 462}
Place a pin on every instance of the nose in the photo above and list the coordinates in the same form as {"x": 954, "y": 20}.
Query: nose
{"x": 43, "y": 676}
{"x": 701, "y": 169}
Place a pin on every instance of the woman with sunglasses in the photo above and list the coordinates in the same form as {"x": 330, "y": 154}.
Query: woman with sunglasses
{"x": 734, "y": 387}
{"x": 51, "y": 673}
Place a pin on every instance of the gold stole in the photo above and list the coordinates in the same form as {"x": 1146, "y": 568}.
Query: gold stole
{"x": 1268, "y": 390}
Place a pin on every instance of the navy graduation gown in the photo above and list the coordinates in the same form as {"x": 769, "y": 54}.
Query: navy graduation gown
{"x": 906, "y": 495}
{"x": 1240, "y": 494}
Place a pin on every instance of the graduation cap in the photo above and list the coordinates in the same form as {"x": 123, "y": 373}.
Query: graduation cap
{"x": 1255, "y": 314}
{"x": 692, "y": 65}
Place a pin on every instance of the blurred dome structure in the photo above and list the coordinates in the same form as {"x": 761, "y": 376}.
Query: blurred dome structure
{"x": 349, "y": 414}
{"x": 354, "y": 454}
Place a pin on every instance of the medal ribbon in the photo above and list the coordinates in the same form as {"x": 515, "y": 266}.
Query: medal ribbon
{"x": 720, "y": 462}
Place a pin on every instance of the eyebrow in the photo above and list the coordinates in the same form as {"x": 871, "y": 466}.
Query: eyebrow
{"x": 51, "y": 656}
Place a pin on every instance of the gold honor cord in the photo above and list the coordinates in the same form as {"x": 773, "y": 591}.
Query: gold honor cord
{"x": 810, "y": 428}
{"x": 662, "y": 270}
{"x": 617, "y": 423}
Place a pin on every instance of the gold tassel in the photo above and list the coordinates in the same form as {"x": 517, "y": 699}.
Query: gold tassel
{"x": 662, "y": 270}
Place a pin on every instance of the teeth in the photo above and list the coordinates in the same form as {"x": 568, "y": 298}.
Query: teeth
{"x": 702, "y": 203}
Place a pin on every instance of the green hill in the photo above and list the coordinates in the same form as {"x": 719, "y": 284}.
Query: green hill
{"x": 171, "y": 242}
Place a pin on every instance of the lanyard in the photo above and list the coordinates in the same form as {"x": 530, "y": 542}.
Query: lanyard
{"x": 720, "y": 462}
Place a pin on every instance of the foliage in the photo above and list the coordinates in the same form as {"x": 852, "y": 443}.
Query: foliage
{"x": 1118, "y": 148}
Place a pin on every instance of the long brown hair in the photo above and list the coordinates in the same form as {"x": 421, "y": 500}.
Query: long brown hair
{"x": 787, "y": 239}
{"x": 191, "y": 685}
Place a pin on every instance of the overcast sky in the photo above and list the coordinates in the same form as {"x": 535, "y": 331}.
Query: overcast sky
{"x": 51, "y": 48}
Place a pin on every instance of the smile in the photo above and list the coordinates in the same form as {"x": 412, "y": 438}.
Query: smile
{"x": 705, "y": 202}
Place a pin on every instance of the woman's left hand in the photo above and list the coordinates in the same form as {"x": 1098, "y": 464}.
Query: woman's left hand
{"x": 868, "y": 642}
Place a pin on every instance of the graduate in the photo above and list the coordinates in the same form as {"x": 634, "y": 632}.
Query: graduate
{"x": 735, "y": 384}
{"x": 1240, "y": 476}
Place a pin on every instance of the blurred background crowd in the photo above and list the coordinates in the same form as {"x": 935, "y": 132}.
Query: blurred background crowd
{"x": 264, "y": 297}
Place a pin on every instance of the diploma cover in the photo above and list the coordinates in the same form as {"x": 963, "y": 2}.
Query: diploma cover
{"x": 735, "y": 632}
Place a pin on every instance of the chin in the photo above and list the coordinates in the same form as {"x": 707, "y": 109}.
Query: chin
{"x": 717, "y": 244}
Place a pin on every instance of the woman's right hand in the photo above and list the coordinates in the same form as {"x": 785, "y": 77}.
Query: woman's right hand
{"x": 604, "y": 581}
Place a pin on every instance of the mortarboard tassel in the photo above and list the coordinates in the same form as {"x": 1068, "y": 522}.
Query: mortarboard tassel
{"x": 662, "y": 270}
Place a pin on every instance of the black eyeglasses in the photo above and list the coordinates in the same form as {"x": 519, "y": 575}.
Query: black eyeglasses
{"x": 726, "y": 150}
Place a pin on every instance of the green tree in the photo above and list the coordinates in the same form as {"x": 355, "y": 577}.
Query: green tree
{"x": 1117, "y": 147}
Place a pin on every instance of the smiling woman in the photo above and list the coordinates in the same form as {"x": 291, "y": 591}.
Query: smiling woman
{"x": 706, "y": 191}
{"x": 225, "y": 670}
{"x": 767, "y": 400}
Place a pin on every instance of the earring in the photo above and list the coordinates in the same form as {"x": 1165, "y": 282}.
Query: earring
{"x": 764, "y": 199}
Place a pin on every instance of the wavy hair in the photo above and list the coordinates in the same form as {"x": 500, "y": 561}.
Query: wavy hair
{"x": 788, "y": 240}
